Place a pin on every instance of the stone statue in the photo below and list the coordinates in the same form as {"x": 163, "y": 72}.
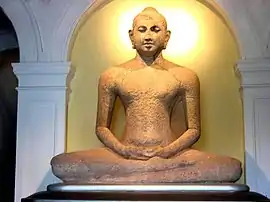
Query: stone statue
{"x": 153, "y": 149}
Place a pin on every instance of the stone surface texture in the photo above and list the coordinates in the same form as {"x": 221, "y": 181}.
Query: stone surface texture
{"x": 162, "y": 107}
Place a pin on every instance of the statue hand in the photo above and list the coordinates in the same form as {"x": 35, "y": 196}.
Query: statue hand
{"x": 137, "y": 153}
{"x": 151, "y": 151}
{"x": 163, "y": 152}
{"x": 145, "y": 153}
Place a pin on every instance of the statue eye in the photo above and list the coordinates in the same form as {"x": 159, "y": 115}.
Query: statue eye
{"x": 142, "y": 29}
{"x": 155, "y": 29}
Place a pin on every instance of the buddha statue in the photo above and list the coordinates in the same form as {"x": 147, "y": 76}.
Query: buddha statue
{"x": 154, "y": 147}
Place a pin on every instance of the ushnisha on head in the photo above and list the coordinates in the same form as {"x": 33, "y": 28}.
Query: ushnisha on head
{"x": 149, "y": 35}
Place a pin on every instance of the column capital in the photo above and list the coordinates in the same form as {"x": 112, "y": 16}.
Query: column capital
{"x": 42, "y": 75}
{"x": 254, "y": 72}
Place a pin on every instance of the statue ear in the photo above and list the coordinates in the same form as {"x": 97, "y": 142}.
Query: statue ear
{"x": 167, "y": 38}
{"x": 130, "y": 32}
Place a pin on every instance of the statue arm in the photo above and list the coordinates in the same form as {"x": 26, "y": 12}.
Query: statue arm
{"x": 106, "y": 101}
{"x": 192, "y": 100}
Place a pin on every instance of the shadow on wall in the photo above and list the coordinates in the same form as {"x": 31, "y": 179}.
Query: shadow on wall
{"x": 70, "y": 77}
{"x": 262, "y": 183}
{"x": 48, "y": 179}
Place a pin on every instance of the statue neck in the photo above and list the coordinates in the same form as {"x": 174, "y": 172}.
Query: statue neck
{"x": 149, "y": 61}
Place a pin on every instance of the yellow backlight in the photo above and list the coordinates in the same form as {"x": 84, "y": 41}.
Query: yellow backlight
{"x": 184, "y": 28}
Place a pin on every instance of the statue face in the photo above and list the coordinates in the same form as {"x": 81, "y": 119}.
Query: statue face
{"x": 149, "y": 35}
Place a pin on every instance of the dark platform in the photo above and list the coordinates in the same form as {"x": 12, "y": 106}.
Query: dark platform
{"x": 160, "y": 194}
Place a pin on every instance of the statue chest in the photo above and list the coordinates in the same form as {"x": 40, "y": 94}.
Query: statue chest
{"x": 148, "y": 83}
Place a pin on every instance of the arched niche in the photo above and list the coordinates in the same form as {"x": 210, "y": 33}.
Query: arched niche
{"x": 239, "y": 26}
{"x": 90, "y": 48}
{"x": 30, "y": 39}
{"x": 25, "y": 27}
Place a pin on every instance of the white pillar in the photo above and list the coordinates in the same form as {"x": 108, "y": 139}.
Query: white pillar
{"x": 255, "y": 75}
{"x": 41, "y": 123}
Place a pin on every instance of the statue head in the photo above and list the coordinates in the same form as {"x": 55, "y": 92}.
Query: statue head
{"x": 149, "y": 35}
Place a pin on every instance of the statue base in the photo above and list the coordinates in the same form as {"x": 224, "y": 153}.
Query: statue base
{"x": 138, "y": 192}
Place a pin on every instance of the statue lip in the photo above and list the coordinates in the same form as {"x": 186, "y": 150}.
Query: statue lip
{"x": 148, "y": 43}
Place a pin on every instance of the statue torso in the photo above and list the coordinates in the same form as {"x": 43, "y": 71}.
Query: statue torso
{"x": 148, "y": 95}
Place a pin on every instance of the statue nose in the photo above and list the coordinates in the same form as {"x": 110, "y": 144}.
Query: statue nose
{"x": 148, "y": 39}
{"x": 148, "y": 36}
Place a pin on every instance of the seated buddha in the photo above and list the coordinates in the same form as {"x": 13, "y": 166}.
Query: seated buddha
{"x": 152, "y": 149}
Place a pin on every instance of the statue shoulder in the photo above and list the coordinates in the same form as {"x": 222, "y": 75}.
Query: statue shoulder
{"x": 184, "y": 74}
{"x": 188, "y": 80}
{"x": 110, "y": 75}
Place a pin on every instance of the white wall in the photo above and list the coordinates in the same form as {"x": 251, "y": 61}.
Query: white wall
{"x": 44, "y": 29}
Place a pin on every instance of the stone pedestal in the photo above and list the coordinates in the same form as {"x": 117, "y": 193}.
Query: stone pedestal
{"x": 164, "y": 192}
